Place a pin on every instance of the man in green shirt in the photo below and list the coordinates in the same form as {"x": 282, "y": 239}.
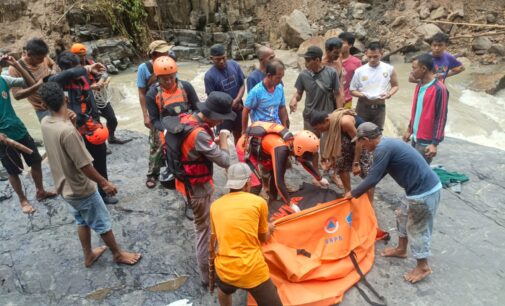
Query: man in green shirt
{"x": 12, "y": 127}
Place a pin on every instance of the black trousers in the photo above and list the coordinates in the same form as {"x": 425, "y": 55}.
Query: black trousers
{"x": 99, "y": 154}
{"x": 108, "y": 113}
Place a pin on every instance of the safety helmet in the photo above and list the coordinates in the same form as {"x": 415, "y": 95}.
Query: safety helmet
{"x": 164, "y": 65}
{"x": 79, "y": 49}
{"x": 98, "y": 136}
{"x": 305, "y": 141}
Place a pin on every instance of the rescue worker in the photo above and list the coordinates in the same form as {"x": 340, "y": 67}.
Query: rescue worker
{"x": 271, "y": 144}
{"x": 99, "y": 84}
{"x": 196, "y": 154}
{"x": 75, "y": 83}
{"x": 171, "y": 97}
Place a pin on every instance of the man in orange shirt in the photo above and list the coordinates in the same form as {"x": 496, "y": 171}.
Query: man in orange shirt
{"x": 239, "y": 223}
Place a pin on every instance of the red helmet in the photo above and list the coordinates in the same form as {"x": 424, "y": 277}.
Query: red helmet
{"x": 98, "y": 136}
{"x": 305, "y": 141}
{"x": 164, "y": 65}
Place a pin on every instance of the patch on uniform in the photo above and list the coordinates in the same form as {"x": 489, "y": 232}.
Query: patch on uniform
{"x": 364, "y": 78}
{"x": 385, "y": 74}
{"x": 4, "y": 94}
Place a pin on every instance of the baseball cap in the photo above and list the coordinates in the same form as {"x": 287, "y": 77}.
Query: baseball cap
{"x": 313, "y": 52}
{"x": 159, "y": 46}
{"x": 367, "y": 129}
{"x": 238, "y": 175}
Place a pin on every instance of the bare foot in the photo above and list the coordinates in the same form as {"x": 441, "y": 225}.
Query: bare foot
{"x": 417, "y": 274}
{"x": 96, "y": 253}
{"x": 27, "y": 208}
{"x": 127, "y": 258}
{"x": 394, "y": 252}
{"x": 45, "y": 195}
{"x": 337, "y": 180}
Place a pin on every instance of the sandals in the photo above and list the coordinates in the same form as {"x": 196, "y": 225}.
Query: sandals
{"x": 150, "y": 182}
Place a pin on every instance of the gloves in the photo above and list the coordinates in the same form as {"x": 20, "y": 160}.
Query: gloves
{"x": 324, "y": 183}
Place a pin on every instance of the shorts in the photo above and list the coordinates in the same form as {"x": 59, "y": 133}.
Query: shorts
{"x": 11, "y": 158}
{"x": 375, "y": 113}
{"x": 348, "y": 104}
{"x": 265, "y": 294}
{"x": 344, "y": 162}
{"x": 91, "y": 212}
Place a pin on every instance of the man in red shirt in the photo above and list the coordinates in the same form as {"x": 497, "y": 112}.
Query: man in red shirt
{"x": 350, "y": 64}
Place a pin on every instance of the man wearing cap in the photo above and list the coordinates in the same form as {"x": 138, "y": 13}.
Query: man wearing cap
{"x": 239, "y": 224}
{"x": 321, "y": 85}
{"x": 198, "y": 152}
{"x": 99, "y": 86}
{"x": 226, "y": 76}
{"x": 146, "y": 78}
{"x": 414, "y": 217}
{"x": 39, "y": 65}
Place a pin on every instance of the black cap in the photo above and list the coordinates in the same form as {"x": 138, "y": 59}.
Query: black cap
{"x": 367, "y": 129}
{"x": 218, "y": 106}
{"x": 217, "y": 50}
{"x": 314, "y": 52}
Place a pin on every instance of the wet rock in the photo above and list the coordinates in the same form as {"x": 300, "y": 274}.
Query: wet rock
{"x": 428, "y": 30}
{"x": 112, "y": 69}
{"x": 488, "y": 82}
{"x": 497, "y": 49}
{"x": 295, "y": 29}
{"x": 481, "y": 43}
{"x": 188, "y": 52}
{"x": 187, "y": 37}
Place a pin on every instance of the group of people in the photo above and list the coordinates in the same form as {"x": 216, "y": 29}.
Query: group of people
{"x": 338, "y": 138}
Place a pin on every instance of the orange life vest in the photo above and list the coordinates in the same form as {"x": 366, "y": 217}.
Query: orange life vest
{"x": 199, "y": 170}
{"x": 172, "y": 104}
{"x": 262, "y": 137}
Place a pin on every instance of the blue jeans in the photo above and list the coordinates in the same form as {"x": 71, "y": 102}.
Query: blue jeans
{"x": 414, "y": 219}
{"x": 91, "y": 212}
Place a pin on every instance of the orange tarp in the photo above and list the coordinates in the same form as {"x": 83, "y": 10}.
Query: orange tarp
{"x": 308, "y": 254}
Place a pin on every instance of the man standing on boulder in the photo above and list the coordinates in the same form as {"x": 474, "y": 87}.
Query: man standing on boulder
{"x": 39, "y": 65}
{"x": 414, "y": 218}
{"x": 373, "y": 84}
{"x": 146, "y": 78}
{"x": 226, "y": 76}
{"x": 429, "y": 109}
{"x": 75, "y": 177}
{"x": 239, "y": 224}
{"x": 350, "y": 63}
{"x": 322, "y": 86}
{"x": 264, "y": 55}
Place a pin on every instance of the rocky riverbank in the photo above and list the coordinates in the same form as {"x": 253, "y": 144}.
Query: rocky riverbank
{"x": 41, "y": 259}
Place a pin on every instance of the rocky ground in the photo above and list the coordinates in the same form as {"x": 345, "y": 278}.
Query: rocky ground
{"x": 41, "y": 259}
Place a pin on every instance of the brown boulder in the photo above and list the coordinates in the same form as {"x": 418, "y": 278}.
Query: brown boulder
{"x": 491, "y": 83}
{"x": 295, "y": 29}
{"x": 314, "y": 41}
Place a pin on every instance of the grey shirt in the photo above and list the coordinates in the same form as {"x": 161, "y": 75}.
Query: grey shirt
{"x": 316, "y": 98}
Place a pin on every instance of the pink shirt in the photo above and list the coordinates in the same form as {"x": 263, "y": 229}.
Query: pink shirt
{"x": 350, "y": 65}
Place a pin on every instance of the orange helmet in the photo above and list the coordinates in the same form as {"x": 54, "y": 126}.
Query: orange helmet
{"x": 305, "y": 141}
{"x": 98, "y": 136}
{"x": 164, "y": 65}
{"x": 79, "y": 49}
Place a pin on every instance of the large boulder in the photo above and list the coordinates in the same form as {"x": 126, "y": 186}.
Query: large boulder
{"x": 491, "y": 83}
{"x": 314, "y": 41}
{"x": 481, "y": 43}
{"x": 439, "y": 13}
{"x": 428, "y": 30}
{"x": 295, "y": 29}
{"x": 497, "y": 49}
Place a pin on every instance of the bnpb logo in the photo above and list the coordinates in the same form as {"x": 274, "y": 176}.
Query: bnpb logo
{"x": 331, "y": 225}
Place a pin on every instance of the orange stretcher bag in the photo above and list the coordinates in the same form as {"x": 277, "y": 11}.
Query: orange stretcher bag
{"x": 314, "y": 256}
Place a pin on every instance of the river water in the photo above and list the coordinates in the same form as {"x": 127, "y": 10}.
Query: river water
{"x": 473, "y": 116}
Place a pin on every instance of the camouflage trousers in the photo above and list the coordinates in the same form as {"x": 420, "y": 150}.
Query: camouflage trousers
{"x": 155, "y": 153}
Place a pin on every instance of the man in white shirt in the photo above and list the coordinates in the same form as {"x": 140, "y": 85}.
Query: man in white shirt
{"x": 373, "y": 84}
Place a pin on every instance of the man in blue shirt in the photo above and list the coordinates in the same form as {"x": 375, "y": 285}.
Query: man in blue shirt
{"x": 226, "y": 76}
{"x": 414, "y": 218}
{"x": 264, "y": 55}
{"x": 266, "y": 102}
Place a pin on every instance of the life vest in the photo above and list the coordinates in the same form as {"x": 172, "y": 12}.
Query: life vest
{"x": 180, "y": 139}
{"x": 172, "y": 104}
{"x": 258, "y": 131}
{"x": 91, "y": 77}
